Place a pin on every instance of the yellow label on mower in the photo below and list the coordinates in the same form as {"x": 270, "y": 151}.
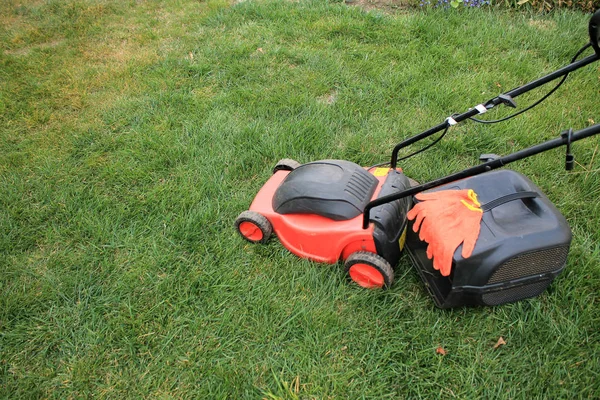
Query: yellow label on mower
{"x": 381, "y": 171}
{"x": 402, "y": 239}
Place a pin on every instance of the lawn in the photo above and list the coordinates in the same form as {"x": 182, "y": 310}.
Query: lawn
{"x": 132, "y": 134}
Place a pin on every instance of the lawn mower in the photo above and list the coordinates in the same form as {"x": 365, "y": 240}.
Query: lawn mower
{"x": 476, "y": 237}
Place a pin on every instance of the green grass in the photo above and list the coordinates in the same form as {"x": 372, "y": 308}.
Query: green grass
{"x": 133, "y": 133}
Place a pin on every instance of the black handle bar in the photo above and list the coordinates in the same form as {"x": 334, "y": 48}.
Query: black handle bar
{"x": 566, "y": 138}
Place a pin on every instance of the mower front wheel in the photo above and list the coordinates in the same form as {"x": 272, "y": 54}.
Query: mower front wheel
{"x": 369, "y": 270}
{"x": 254, "y": 227}
{"x": 286, "y": 164}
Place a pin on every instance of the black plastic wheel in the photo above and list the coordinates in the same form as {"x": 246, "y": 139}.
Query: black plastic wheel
{"x": 286, "y": 164}
{"x": 369, "y": 270}
{"x": 253, "y": 227}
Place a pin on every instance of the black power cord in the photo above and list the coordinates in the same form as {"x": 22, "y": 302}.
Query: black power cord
{"x": 495, "y": 121}
{"x": 588, "y": 45}
{"x": 414, "y": 153}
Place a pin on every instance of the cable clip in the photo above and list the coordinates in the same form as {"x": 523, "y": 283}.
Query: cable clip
{"x": 481, "y": 108}
{"x": 569, "y": 158}
{"x": 451, "y": 121}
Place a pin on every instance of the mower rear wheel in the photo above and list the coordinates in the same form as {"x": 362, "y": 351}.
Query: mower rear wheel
{"x": 369, "y": 270}
{"x": 286, "y": 164}
{"x": 254, "y": 227}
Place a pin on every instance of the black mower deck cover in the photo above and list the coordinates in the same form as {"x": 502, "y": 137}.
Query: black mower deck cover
{"x": 522, "y": 246}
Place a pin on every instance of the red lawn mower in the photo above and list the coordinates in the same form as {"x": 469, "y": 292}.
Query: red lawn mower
{"x": 332, "y": 210}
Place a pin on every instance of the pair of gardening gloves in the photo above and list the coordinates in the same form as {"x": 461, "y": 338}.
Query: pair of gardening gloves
{"x": 446, "y": 219}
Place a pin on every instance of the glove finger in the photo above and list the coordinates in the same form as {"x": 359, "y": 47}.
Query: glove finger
{"x": 424, "y": 228}
{"x": 419, "y": 220}
{"x": 440, "y": 194}
{"x": 430, "y": 251}
{"x": 445, "y": 261}
{"x": 423, "y": 234}
{"x": 437, "y": 260}
{"x": 413, "y": 212}
{"x": 426, "y": 196}
{"x": 470, "y": 236}
{"x": 468, "y": 246}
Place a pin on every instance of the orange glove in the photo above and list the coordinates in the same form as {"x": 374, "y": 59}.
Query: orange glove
{"x": 447, "y": 219}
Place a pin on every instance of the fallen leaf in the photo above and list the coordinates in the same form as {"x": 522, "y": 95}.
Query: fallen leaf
{"x": 440, "y": 350}
{"x": 591, "y": 121}
{"x": 260, "y": 50}
{"x": 499, "y": 85}
{"x": 499, "y": 343}
{"x": 328, "y": 98}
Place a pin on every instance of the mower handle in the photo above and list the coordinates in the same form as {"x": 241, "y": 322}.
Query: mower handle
{"x": 566, "y": 138}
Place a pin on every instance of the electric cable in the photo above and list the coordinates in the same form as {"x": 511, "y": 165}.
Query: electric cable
{"x": 575, "y": 57}
{"x": 414, "y": 153}
{"x": 495, "y": 121}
